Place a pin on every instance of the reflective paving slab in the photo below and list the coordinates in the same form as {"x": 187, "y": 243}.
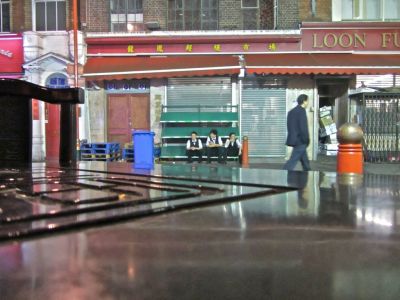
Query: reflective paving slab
{"x": 110, "y": 231}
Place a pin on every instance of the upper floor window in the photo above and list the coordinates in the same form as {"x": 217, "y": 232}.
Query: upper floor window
{"x": 126, "y": 15}
{"x": 192, "y": 14}
{"x": 249, "y": 3}
{"x": 4, "y": 16}
{"x": 50, "y": 15}
{"x": 250, "y": 14}
{"x": 379, "y": 10}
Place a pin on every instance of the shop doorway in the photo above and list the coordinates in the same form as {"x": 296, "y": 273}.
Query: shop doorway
{"x": 333, "y": 93}
{"x": 333, "y": 112}
{"x": 52, "y": 117}
{"x": 125, "y": 113}
{"x": 52, "y": 130}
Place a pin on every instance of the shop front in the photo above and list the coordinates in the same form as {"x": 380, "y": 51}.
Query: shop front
{"x": 198, "y": 74}
{"x": 259, "y": 75}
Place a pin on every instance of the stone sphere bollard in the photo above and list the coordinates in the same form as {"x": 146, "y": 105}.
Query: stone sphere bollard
{"x": 350, "y": 155}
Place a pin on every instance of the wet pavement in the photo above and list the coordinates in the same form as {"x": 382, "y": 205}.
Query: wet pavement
{"x": 322, "y": 163}
{"x": 198, "y": 232}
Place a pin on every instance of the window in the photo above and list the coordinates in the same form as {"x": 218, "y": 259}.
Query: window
{"x": 392, "y": 10}
{"x": 4, "y": 16}
{"x": 249, "y": 3}
{"x": 192, "y": 14}
{"x": 126, "y": 15}
{"x": 250, "y": 19}
{"x": 57, "y": 81}
{"x": 380, "y": 10}
{"x": 50, "y": 15}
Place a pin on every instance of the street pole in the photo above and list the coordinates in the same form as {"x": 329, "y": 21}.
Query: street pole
{"x": 75, "y": 26}
{"x": 69, "y": 113}
{"x": 76, "y": 83}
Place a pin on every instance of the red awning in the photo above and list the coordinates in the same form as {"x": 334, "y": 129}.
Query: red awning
{"x": 160, "y": 66}
{"x": 11, "y": 75}
{"x": 323, "y": 63}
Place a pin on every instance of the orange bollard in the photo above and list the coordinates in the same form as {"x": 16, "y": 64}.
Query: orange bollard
{"x": 350, "y": 159}
{"x": 350, "y": 155}
{"x": 245, "y": 151}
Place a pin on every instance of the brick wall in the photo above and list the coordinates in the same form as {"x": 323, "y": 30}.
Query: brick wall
{"x": 17, "y": 15}
{"x": 98, "y": 15}
{"x": 288, "y": 14}
{"x": 230, "y": 17}
{"x": 69, "y": 15}
{"x": 82, "y": 14}
{"x": 27, "y": 21}
{"x": 156, "y": 11}
{"x": 323, "y": 11}
{"x": 21, "y": 19}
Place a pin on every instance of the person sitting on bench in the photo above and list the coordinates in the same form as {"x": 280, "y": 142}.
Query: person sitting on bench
{"x": 233, "y": 147}
{"x": 194, "y": 147}
{"x": 215, "y": 147}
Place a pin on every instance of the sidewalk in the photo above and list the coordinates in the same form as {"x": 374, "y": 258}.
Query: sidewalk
{"x": 326, "y": 164}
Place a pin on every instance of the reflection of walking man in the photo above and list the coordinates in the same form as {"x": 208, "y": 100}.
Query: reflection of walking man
{"x": 298, "y": 136}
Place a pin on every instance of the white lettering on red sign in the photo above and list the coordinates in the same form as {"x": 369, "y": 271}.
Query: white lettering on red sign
{"x": 6, "y": 53}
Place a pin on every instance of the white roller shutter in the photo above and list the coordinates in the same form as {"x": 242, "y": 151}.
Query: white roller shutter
{"x": 199, "y": 91}
{"x": 264, "y": 120}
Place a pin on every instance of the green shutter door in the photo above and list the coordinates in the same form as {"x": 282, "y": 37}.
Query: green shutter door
{"x": 199, "y": 91}
{"x": 264, "y": 121}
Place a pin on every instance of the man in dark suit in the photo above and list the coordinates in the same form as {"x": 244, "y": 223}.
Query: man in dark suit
{"x": 298, "y": 136}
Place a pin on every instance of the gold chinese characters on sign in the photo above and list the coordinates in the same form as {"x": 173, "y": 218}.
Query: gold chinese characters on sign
{"x": 189, "y": 48}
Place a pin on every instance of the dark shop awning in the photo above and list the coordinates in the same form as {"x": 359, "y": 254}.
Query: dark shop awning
{"x": 323, "y": 63}
{"x": 160, "y": 66}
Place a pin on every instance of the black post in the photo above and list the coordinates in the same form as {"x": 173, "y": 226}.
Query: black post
{"x": 68, "y": 134}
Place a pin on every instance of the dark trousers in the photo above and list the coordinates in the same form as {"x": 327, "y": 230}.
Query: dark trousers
{"x": 191, "y": 153}
{"x": 232, "y": 152}
{"x": 216, "y": 151}
{"x": 299, "y": 153}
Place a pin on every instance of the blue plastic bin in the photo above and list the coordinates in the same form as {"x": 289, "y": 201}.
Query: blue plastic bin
{"x": 143, "y": 146}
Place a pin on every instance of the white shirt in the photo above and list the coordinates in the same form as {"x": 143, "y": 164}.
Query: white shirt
{"x": 214, "y": 141}
{"x": 227, "y": 142}
{"x": 189, "y": 144}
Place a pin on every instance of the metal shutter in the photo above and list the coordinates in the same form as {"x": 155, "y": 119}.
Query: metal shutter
{"x": 378, "y": 81}
{"x": 264, "y": 120}
{"x": 199, "y": 91}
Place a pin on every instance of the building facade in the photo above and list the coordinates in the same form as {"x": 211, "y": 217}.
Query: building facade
{"x": 257, "y": 33}
{"x": 256, "y": 56}
{"x": 46, "y": 30}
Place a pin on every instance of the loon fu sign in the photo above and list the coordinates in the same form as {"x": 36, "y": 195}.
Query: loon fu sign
{"x": 361, "y": 39}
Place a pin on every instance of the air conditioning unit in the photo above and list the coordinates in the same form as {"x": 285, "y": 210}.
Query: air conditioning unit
{"x": 152, "y": 25}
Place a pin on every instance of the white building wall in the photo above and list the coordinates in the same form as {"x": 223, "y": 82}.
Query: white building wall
{"x": 157, "y": 99}
{"x": 336, "y": 10}
{"x": 40, "y": 44}
{"x": 96, "y": 113}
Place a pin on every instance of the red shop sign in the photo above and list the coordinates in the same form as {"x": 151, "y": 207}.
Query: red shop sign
{"x": 374, "y": 37}
{"x": 11, "y": 54}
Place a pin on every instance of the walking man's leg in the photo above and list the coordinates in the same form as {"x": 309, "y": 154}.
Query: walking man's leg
{"x": 304, "y": 161}
{"x": 297, "y": 153}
